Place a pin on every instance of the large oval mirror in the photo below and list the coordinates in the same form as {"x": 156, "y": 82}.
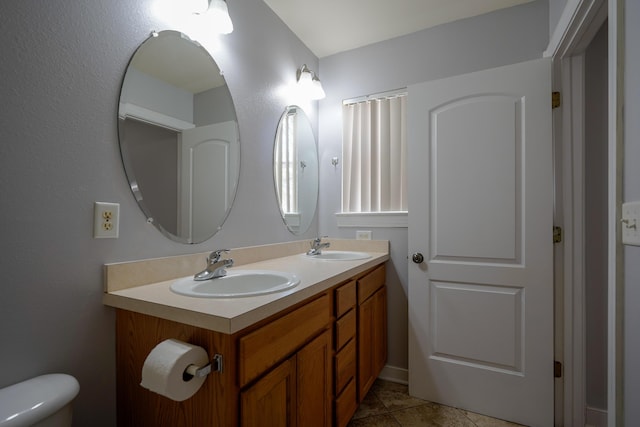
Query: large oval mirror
{"x": 179, "y": 137}
{"x": 295, "y": 170}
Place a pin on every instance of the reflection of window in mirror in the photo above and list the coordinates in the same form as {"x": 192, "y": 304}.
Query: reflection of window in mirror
{"x": 286, "y": 162}
{"x": 295, "y": 169}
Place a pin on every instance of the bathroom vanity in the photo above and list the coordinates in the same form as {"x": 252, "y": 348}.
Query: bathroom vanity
{"x": 302, "y": 357}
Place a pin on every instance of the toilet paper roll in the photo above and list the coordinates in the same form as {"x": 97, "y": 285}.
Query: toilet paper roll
{"x": 165, "y": 365}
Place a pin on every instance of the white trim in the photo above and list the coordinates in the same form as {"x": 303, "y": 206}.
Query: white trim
{"x": 142, "y": 114}
{"x": 615, "y": 371}
{"x": 579, "y": 22}
{"x": 573, "y": 202}
{"x": 395, "y": 374}
{"x": 596, "y": 417}
{"x": 372, "y": 219}
{"x": 575, "y": 30}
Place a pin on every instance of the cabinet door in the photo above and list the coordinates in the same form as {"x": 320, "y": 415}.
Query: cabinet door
{"x": 272, "y": 400}
{"x": 313, "y": 364}
{"x": 372, "y": 340}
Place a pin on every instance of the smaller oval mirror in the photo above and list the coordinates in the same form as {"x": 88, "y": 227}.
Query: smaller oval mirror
{"x": 295, "y": 169}
{"x": 179, "y": 137}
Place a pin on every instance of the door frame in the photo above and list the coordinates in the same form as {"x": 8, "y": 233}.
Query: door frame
{"x": 578, "y": 24}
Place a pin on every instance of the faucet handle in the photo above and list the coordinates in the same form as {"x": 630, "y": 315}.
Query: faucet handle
{"x": 215, "y": 255}
{"x": 318, "y": 240}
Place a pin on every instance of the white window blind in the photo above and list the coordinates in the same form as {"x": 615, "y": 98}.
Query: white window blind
{"x": 374, "y": 155}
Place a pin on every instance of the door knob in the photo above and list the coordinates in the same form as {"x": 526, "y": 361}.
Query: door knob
{"x": 418, "y": 258}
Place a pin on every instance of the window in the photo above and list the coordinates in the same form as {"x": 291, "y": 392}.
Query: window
{"x": 374, "y": 154}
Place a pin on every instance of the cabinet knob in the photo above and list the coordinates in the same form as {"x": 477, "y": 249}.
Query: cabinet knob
{"x": 418, "y": 258}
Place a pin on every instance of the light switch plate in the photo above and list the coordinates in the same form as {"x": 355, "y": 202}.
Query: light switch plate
{"x": 631, "y": 223}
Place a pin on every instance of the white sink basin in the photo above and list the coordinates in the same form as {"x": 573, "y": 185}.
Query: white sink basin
{"x": 237, "y": 283}
{"x": 339, "y": 256}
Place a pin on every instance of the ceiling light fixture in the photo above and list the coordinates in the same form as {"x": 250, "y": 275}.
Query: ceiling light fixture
{"x": 217, "y": 16}
{"x": 309, "y": 83}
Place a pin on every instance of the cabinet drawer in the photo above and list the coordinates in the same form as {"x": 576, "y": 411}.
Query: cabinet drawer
{"x": 345, "y": 297}
{"x": 345, "y": 329}
{"x": 345, "y": 365}
{"x": 346, "y": 404}
{"x": 264, "y": 347}
{"x": 370, "y": 283}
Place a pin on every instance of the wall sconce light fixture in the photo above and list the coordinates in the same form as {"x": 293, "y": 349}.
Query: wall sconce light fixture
{"x": 216, "y": 14}
{"x": 309, "y": 83}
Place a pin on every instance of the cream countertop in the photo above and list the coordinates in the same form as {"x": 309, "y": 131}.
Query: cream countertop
{"x": 230, "y": 315}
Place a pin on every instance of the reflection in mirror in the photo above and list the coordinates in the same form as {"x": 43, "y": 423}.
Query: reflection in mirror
{"x": 179, "y": 137}
{"x": 295, "y": 170}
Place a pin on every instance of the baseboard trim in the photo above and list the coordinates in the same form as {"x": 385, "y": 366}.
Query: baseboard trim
{"x": 395, "y": 374}
{"x": 596, "y": 417}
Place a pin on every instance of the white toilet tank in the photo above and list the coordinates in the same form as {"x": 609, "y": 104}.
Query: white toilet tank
{"x": 43, "y": 401}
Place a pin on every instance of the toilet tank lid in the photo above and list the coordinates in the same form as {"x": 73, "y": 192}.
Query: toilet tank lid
{"x": 32, "y": 400}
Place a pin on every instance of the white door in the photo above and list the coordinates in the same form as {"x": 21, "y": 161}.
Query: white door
{"x": 208, "y": 159}
{"x": 480, "y": 213}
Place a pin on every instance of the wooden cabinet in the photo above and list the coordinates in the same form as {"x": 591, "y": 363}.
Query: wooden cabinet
{"x": 309, "y": 365}
{"x": 345, "y": 347}
{"x": 272, "y": 398}
{"x": 372, "y": 340}
{"x": 360, "y": 340}
{"x": 295, "y": 393}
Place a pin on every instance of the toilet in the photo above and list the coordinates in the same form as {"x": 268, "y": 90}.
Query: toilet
{"x": 43, "y": 401}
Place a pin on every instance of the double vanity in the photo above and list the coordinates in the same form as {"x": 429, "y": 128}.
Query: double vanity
{"x": 299, "y": 341}
{"x": 294, "y": 339}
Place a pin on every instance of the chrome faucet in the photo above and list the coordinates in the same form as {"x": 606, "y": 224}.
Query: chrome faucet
{"x": 317, "y": 246}
{"x": 216, "y": 267}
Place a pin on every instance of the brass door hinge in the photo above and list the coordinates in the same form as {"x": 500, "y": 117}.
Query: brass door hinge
{"x": 555, "y": 99}
{"x": 557, "y": 234}
{"x": 557, "y": 369}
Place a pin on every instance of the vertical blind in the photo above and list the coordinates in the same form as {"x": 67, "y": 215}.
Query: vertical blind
{"x": 285, "y": 163}
{"x": 374, "y": 155}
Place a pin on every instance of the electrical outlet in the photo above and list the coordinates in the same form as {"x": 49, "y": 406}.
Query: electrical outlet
{"x": 363, "y": 235}
{"x": 106, "y": 218}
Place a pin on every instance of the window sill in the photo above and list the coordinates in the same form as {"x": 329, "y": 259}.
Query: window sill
{"x": 373, "y": 219}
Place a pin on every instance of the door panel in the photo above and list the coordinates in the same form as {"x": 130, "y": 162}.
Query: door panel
{"x": 208, "y": 167}
{"x": 475, "y": 190}
{"x": 477, "y": 325}
{"x": 481, "y": 304}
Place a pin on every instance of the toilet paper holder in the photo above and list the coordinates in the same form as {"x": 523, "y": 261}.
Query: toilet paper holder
{"x": 202, "y": 371}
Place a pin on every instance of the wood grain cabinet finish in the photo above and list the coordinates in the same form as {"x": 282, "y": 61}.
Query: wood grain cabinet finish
{"x": 372, "y": 329}
{"x": 309, "y": 365}
{"x": 264, "y": 347}
{"x": 295, "y": 393}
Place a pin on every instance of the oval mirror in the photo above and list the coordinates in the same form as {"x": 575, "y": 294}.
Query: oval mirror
{"x": 295, "y": 169}
{"x": 179, "y": 137}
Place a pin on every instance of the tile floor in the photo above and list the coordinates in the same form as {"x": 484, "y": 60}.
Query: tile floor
{"x": 388, "y": 404}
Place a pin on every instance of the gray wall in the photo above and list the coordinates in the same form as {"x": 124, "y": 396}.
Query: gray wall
{"x": 62, "y": 67}
{"x": 596, "y": 211}
{"x": 555, "y": 11}
{"x": 213, "y": 106}
{"x": 631, "y": 187}
{"x": 499, "y": 38}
